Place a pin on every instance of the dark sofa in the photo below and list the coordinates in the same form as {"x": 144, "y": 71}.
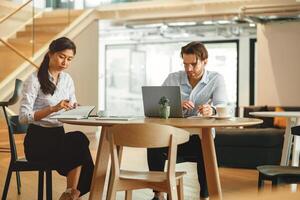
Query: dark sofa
{"x": 251, "y": 146}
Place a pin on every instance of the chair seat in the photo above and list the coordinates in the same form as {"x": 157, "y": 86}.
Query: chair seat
{"x": 152, "y": 176}
{"x": 23, "y": 165}
{"x": 275, "y": 170}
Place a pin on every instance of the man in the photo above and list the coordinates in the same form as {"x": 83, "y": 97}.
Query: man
{"x": 199, "y": 88}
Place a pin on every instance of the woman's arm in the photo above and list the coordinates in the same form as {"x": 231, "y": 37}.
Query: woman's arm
{"x": 44, "y": 112}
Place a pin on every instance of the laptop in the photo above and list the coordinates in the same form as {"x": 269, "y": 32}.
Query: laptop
{"x": 152, "y": 94}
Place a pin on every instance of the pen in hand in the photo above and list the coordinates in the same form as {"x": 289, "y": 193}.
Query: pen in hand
{"x": 205, "y": 109}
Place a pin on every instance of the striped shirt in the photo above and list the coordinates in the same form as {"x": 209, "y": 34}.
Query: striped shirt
{"x": 211, "y": 87}
{"x": 33, "y": 99}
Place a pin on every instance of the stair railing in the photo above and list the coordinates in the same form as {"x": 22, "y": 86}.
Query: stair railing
{"x": 14, "y": 49}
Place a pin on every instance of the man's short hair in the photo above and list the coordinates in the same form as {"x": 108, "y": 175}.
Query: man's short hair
{"x": 196, "y": 48}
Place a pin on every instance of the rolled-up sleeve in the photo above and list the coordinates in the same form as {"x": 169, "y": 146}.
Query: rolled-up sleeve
{"x": 219, "y": 94}
{"x": 29, "y": 95}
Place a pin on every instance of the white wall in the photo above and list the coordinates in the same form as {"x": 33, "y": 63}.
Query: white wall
{"x": 278, "y": 68}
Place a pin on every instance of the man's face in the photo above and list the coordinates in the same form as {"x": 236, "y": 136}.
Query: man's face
{"x": 193, "y": 67}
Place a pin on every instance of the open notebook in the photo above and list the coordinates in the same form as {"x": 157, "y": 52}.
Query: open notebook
{"x": 80, "y": 112}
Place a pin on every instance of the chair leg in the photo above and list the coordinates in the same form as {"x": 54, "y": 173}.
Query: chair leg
{"x": 274, "y": 183}
{"x": 180, "y": 189}
{"x": 49, "y": 184}
{"x": 18, "y": 182}
{"x": 260, "y": 182}
{"x": 128, "y": 195}
{"x": 111, "y": 190}
{"x": 41, "y": 185}
{"x": 172, "y": 193}
{"x": 5, "y": 190}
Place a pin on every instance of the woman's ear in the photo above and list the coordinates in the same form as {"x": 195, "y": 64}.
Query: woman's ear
{"x": 49, "y": 54}
{"x": 205, "y": 61}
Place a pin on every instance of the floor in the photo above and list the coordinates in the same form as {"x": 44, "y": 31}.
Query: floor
{"x": 232, "y": 180}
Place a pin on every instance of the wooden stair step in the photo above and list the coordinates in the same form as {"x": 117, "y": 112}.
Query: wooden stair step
{"x": 62, "y": 13}
{"x": 42, "y": 27}
{"x": 53, "y": 20}
{"x": 28, "y": 33}
{"x": 27, "y": 41}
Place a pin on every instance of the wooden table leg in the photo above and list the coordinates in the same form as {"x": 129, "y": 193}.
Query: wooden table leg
{"x": 101, "y": 165}
{"x": 211, "y": 165}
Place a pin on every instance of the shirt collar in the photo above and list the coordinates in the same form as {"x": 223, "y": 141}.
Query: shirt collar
{"x": 51, "y": 77}
{"x": 204, "y": 79}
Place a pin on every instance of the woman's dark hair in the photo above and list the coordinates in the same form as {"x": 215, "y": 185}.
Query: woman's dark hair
{"x": 59, "y": 44}
{"x": 196, "y": 48}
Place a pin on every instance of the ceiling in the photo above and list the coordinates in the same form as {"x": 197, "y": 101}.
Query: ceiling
{"x": 179, "y": 19}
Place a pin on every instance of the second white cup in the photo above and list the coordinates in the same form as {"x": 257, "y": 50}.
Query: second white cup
{"x": 222, "y": 111}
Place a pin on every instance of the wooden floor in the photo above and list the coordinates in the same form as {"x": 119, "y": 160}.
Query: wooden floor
{"x": 242, "y": 181}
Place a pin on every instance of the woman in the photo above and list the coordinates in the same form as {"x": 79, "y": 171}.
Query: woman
{"x": 46, "y": 92}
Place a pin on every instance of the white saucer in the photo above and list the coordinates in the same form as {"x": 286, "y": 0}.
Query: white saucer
{"x": 219, "y": 117}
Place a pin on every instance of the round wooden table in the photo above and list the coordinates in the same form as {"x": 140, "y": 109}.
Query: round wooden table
{"x": 201, "y": 126}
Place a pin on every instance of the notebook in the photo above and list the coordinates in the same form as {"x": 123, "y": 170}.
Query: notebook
{"x": 152, "y": 94}
{"x": 80, "y": 112}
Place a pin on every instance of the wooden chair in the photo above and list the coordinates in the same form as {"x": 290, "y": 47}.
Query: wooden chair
{"x": 21, "y": 164}
{"x": 146, "y": 136}
{"x": 279, "y": 174}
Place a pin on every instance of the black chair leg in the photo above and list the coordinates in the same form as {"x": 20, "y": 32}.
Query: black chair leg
{"x": 41, "y": 185}
{"x": 260, "y": 182}
{"x": 49, "y": 184}
{"x": 274, "y": 183}
{"x": 18, "y": 182}
{"x": 5, "y": 190}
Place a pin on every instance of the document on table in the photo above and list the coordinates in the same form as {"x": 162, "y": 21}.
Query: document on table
{"x": 117, "y": 118}
{"x": 80, "y": 112}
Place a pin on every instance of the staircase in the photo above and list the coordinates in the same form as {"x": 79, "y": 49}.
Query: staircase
{"x": 46, "y": 27}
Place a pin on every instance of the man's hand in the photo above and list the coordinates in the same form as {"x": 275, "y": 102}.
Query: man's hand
{"x": 186, "y": 104}
{"x": 205, "y": 110}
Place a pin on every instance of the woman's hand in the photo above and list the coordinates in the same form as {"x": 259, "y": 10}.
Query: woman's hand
{"x": 63, "y": 104}
{"x": 186, "y": 104}
{"x": 205, "y": 110}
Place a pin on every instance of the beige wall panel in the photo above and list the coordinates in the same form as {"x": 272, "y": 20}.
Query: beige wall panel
{"x": 84, "y": 69}
{"x": 278, "y": 68}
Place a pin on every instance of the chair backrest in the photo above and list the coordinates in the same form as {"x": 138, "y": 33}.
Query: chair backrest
{"x": 12, "y": 122}
{"x": 296, "y": 130}
{"x": 146, "y": 136}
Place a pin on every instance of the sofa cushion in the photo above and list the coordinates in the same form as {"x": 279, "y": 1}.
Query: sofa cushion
{"x": 267, "y": 121}
{"x": 247, "y": 137}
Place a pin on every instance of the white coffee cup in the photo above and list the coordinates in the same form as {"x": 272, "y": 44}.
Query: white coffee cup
{"x": 222, "y": 111}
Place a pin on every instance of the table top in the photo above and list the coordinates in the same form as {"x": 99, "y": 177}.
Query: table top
{"x": 176, "y": 122}
{"x": 276, "y": 114}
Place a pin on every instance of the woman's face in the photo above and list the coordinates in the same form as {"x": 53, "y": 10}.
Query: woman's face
{"x": 60, "y": 60}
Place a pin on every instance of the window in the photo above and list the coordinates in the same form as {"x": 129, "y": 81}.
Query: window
{"x": 130, "y": 66}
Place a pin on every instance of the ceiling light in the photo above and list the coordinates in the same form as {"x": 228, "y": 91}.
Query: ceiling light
{"x": 208, "y": 22}
{"x": 223, "y": 22}
{"x": 252, "y": 25}
{"x": 272, "y": 17}
{"x": 182, "y": 23}
{"x": 147, "y": 25}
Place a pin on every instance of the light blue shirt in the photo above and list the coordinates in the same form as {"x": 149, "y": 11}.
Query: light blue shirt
{"x": 211, "y": 87}
{"x": 34, "y": 99}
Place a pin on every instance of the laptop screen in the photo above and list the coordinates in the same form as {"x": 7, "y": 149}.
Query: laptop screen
{"x": 152, "y": 95}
